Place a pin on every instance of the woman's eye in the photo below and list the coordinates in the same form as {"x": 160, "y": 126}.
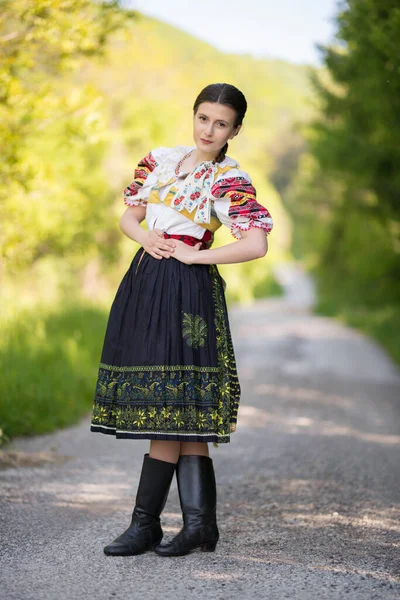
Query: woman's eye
{"x": 222, "y": 124}
{"x": 202, "y": 118}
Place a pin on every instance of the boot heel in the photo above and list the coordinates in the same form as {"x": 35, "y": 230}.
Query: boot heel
{"x": 209, "y": 547}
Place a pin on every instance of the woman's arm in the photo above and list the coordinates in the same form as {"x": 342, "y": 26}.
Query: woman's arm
{"x": 129, "y": 223}
{"x": 254, "y": 244}
{"x": 153, "y": 242}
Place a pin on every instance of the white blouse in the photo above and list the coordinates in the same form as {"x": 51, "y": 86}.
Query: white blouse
{"x": 159, "y": 180}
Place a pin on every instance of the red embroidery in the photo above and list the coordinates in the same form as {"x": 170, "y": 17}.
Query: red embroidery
{"x": 232, "y": 184}
{"x": 144, "y": 167}
{"x": 244, "y": 209}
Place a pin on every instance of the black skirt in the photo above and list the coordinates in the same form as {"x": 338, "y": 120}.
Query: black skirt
{"x": 168, "y": 368}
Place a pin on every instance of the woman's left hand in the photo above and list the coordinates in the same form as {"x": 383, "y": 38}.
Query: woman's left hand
{"x": 185, "y": 253}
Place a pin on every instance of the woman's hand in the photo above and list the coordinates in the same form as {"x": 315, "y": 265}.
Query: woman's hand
{"x": 157, "y": 246}
{"x": 185, "y": 253}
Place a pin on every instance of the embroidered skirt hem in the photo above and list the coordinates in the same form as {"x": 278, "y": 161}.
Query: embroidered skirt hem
{"x": 151, "y": 435}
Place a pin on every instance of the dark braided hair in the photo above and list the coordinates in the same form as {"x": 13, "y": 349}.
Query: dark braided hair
{"x": 223, "y": 93}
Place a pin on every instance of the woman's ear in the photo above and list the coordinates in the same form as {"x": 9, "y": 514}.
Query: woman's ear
{"x": 238, "y": 128}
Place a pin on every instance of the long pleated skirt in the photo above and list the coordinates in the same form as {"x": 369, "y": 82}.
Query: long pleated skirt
{"x": 167, "y": 369}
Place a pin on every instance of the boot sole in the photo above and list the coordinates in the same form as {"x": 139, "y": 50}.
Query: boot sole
{"x": 130, "y": 553}
{"x": 126, "y": 553}
{"x": 205, "y": 547}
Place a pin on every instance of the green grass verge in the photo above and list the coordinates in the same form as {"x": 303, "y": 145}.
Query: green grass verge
{"x": 247, "y": 289}
{"x": 267, "y": 287}
{"x": 49, "y": 361}
{"x": 382, "y": 324}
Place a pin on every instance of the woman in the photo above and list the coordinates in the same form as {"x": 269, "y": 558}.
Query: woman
{"x": 167, "y": 370}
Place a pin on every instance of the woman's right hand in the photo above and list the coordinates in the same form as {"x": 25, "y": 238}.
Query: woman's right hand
{"x": 157, "y": 245}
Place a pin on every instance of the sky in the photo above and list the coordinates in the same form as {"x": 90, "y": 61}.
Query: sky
{"x": 286, "y": 29}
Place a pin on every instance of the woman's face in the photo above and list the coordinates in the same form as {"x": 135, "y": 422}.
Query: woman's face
{"x": 213, "y": 126}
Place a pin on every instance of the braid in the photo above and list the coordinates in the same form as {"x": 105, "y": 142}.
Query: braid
{"x": 222, "y": 154}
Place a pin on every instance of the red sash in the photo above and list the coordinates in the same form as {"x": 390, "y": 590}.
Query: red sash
{"x": 192, "y": 241}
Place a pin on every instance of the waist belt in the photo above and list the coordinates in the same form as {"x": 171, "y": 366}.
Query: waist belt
{"x": 206, "y": 240}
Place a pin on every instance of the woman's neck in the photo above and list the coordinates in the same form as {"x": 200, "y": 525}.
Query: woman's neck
{"x": 199, "y": 156}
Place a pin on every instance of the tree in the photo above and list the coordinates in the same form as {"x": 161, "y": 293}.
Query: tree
{"x": 359, "y": 135}
{"x": 344, "y": 198}
{"x": 51, "y": 127}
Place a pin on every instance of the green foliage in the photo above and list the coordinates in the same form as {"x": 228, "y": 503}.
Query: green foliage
{"x": 360, "y": 133}
{"x": 267, "y": 287}
{"x": 48, "y": 361}
{"x": 380, "y": 322}
{"x": 53, "y": 196}
{"x": 344, "y": 185}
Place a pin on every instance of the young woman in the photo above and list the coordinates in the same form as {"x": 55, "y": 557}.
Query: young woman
{"x": 167, "y": 370}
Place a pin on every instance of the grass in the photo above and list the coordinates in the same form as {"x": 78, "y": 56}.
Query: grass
{"x": 267, "y": 287}
{"x": 49, "y": 360}
{"x": 379, "y": 322}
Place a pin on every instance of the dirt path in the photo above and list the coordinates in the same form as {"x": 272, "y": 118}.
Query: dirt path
{"x": 309, "y": 488}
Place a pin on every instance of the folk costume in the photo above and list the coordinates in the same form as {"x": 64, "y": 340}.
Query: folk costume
{"x": 167, "y": 369}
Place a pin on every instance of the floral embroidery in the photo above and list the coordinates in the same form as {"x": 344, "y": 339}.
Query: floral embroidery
{"x": 184, "y": 402}
{"x": 178, "y": 419}
{"x": 196, "y": 191}
{"x": 229, "y": 386}
{"x": 194, "y": 330}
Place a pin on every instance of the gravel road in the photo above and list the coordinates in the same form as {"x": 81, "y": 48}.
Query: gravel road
{"x": 309, "y": 488}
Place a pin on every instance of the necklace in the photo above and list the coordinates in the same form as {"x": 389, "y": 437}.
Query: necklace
{"x": 180, "y": 163}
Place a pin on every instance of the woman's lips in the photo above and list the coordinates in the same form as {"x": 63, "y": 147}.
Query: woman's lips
{"x": 205, "y": 141}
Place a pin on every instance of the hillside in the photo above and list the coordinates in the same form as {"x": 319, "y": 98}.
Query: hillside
{"x": 150, "y": 77}
{"x": 156, "y": 70}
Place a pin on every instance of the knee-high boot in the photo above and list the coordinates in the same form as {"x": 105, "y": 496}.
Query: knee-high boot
{"x": 198, "y": 498}
{"x": 145, "y": 531}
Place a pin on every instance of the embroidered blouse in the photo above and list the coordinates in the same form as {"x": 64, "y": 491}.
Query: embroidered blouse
{"x": 184, "y": 203}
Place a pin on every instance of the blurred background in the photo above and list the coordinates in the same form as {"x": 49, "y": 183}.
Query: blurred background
{"x": 88, "y": 88}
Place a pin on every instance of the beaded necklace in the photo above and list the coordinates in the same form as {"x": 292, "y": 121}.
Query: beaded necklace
{"x": 180, "y": 163}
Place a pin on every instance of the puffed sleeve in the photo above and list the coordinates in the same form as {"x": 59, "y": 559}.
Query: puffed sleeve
{"x": 236, "y": 205}
{"x": 137, "y": 193}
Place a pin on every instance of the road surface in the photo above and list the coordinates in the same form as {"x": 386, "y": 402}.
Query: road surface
{"x": 308, "y": 489}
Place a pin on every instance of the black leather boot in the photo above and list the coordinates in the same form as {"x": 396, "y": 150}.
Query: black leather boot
{"x": 198, "y": 498}
{"x": 145, "y": 531}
